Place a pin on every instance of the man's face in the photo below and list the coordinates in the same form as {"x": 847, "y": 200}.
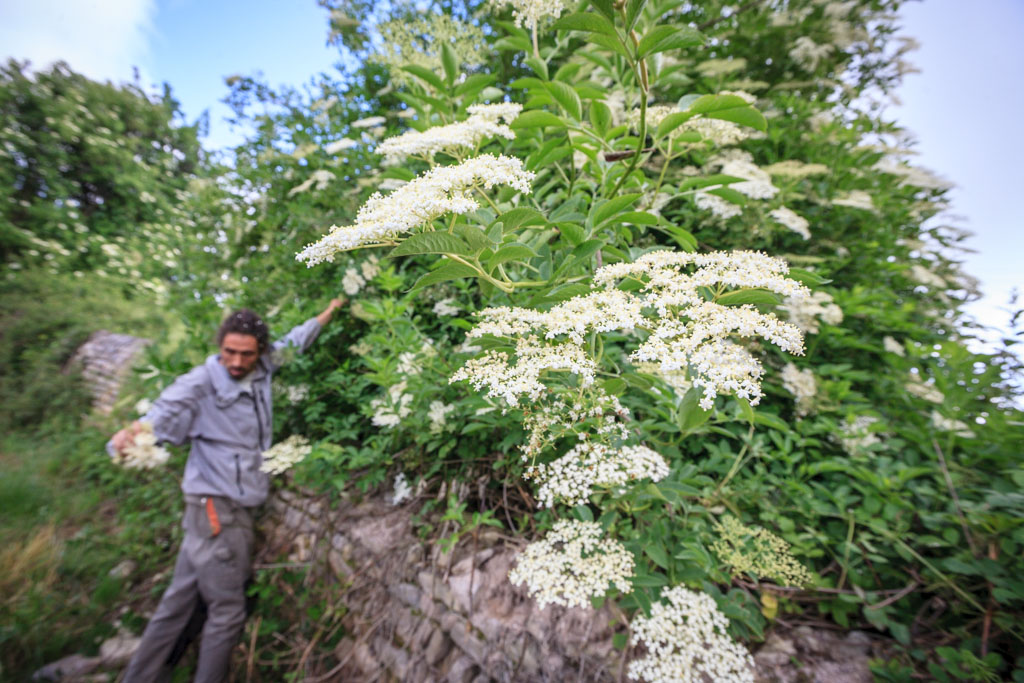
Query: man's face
{"x": 239, "y": 353}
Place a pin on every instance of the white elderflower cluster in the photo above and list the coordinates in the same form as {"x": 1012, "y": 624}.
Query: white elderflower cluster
{"x": 283, "y": 455}
{"x": 893, "y": 346}
{"x": 655, "y": 114}
{"x": 716, "y": 205}
{"x": 676, "y": 379}
{"x": 484, "y": 122}
{"x": 721, "y": 133}
{"x": 757, "y": 184}
{"x": 529, "y": 12}
{"x": 438, "y": 415}
{"x": 442, "y": 190}
{"x": 792, "y": 168}
{"x": 391, "y": 409}
{"x": 926, "y": 277}
{"x": 590, "y": 413}
{"x": 297, "y": 393}
{"x": 712, "y": 68}
{"x": 341, "y": 145}
{"x": 572, "y": 478}
{"x": 511, "y": 382}
{"x": 687, "y": 642}
{"x": 803, "y": 385}
{"x": 369, "y": 122}
{"x": 317, "y": 180}
{"x": 792, "y": 220}
{"x": 948, "y": 424}
{"x": 402, "y": 490}
{"x": 805, "y": 312}
{"x": 912, "y": 175}
{"x": 144, "y": 453}
{"x": 446, "y": 307}
{"x": 573, "y": 564}
{"x": 923, "y": 390}
{"x": 855, "y": 199}
{"x": 856, "y": 436}
{"x": 807, "y": 53}
{"x": 355, "y": 279}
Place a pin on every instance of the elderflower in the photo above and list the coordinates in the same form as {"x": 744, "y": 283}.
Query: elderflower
{"x": 352, "y": 282}
{"x": 757, "y": 184}
{"x": 370, "y": 122}
{"x": 283, "y": 455}
{"x": 438, "y": 415}
{"x": 341, "y": 145}
{"x": 926, "y": 277}
{"x": 530, "y": 12}
{"x": 483, "y": 122}
{"x": 572, "y": 478}
{"x": 923, "y": 390}
{"x": 442, "y": 190}
{"x": 716, "y": 205}
{"x": 143, "y": 453}
{"x": 445, "y": 307}
{"x": 317, "y": 180}
{"x": 687, "y": 641}
{"x": 805, "y": 312}
{"x": 856, "y": 436}
{"x": 402, "y": 490}
{"x": 572, "y": 565}
{"x": 893, "y": 346}
{"x": 807, "y": 53}
{"x": 792, "y": 168}
{"x": 757, "y": 551}
{"x": 792, "y": 220}
{"x": 856, "y": 199}
{"x": 391, "y": 410}
{"x": 803, "y": 386}
{"x": 947, "y": 424}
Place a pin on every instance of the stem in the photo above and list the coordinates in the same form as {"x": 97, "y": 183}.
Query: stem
{"x": 503, "y": 286}
{"x": 488, "y": 200}
{"x": 956, "y": 498}
{"x": 735, "y": 464}
{"x": 536, "y": 50}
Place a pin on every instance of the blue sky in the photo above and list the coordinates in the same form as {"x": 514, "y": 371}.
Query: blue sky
{"x": 965, "y": 108}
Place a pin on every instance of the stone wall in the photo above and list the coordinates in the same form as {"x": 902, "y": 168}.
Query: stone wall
{"x": 418, "y": 615}
{"x": 106, "y": 358}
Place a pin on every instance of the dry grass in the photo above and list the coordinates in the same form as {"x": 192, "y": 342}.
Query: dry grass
{"x": 28, "y": 564}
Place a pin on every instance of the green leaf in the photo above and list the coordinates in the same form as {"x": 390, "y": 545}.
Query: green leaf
{"x": 521, "y": 216}
{"x": 691, "y": 415}
{"x": 536, "y": 119}
{"x": 450, "y": 63}
{"x": 662, "y": 38}
{"x": 619, "y": 641}
{"x": 613, "y": 386}
{"x": 572, "y": 233}
{"x": 585, "y": 21}
{"x": 610, "y": 43}
{"x": 513, "y": 43}
{"x": 560, "y": 293}
{"x": 600, "y": 116}
{"x": 566, "y": 98}
{"x": 613, "y": 206}
{"x": 746, "y": 116}
{"x": 638, "y": 218}
{"x": 425, "y": 74}
{"x": 473, "y": 236}
{"x": 657, "y": 553}
{"x": 808, "y": 278}
{"x": 449, "y": 271}
{"x": 606, "y": 8}
{"x": 431, "y": 243}
{"x": 514, "y": 251}
{"x": 770, "y": 420}
{"x": 475, "y": 82}
{"x": 539, "y": 66}
{"x": 707, "y": 181}
{"x": 672, "y": 121}
{"x": 634, "y": 8}
{"x": 758, "y": 297}
{"x": 730, "y": 195}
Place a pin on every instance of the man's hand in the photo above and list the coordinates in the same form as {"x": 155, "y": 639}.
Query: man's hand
{"x": 126, "y": 437}
{"x": 325, "y": 316}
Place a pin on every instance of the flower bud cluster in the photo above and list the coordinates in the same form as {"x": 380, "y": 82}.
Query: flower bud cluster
{"x": 442, "y": 190}
{"x": 144, "y": 453}
{"x": 687, "y": 642}
{"x": 759, "y": 552}
{"x": 484, "y": 122}
{"x": 283, "y": 455}
{"x": 573, "y": 564}
{"x": 572, "y": 478}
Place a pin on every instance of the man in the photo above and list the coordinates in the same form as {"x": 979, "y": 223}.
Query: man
{"x": 223, "y": 407}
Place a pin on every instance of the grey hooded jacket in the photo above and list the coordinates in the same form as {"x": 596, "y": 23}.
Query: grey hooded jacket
{"x": 229, "y": 427}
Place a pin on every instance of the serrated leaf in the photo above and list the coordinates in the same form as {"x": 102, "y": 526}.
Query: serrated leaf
{"x": 691, "y": 415}
{"x": 513, "y": 43}
{"x": 611, "y": 43}
{"x": 745, "y": 116}
{"x": 475, "y": 82}
{"x": 638, "y": 218}
{"x": 431, "y": 243}
{"x": 538, "y": 65}
{"x": 450, "y": 63}
{"x": 425, "y": 74}
{"x": 514, "y": 251}
{"x": 657, "y": 553}
{"x": 709, "y": 103}
{"x": 706, "y": 181}
{"x": 584, "y": 21}
{"x": 473, "y": 236}
{"x": 757, "y": 297}
{"x": 536, "y": 119}
{"x": 612, "y": 207}
{"x": 614, "y": 386}
{"x": 662, "y": 38}
{"x": 729, "y": 195}
{"x": 605, "y": 7}
{"x": 566, "y": 98}
{"x": 449, "y": 271}
{"x": 527, "y": 82}
{"x": 572, "y": 233}
{"x": 673, "y": 121}
{"x": 807, "y": 277}
{"x": 600, "y": 116}
{"x": 633, "y": 10}
{"x": 521, "y": 216}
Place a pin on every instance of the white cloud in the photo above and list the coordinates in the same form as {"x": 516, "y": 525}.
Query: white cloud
{"x": 103, "y": 39}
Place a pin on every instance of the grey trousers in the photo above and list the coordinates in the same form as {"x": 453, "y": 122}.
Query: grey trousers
{"x": 213, "y": 564}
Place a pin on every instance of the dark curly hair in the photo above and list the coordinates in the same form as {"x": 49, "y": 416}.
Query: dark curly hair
{"x": 244, "y": 321}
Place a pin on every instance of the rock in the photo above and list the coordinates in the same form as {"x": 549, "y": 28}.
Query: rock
{"x": 123, "y": 569}
{"x": 74, "y": 666}
{"x": 117, "y": 651}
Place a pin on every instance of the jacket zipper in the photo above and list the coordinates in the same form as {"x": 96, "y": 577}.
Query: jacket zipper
{"x": 238, "y": 476}
{"x": 259, "y": 422}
